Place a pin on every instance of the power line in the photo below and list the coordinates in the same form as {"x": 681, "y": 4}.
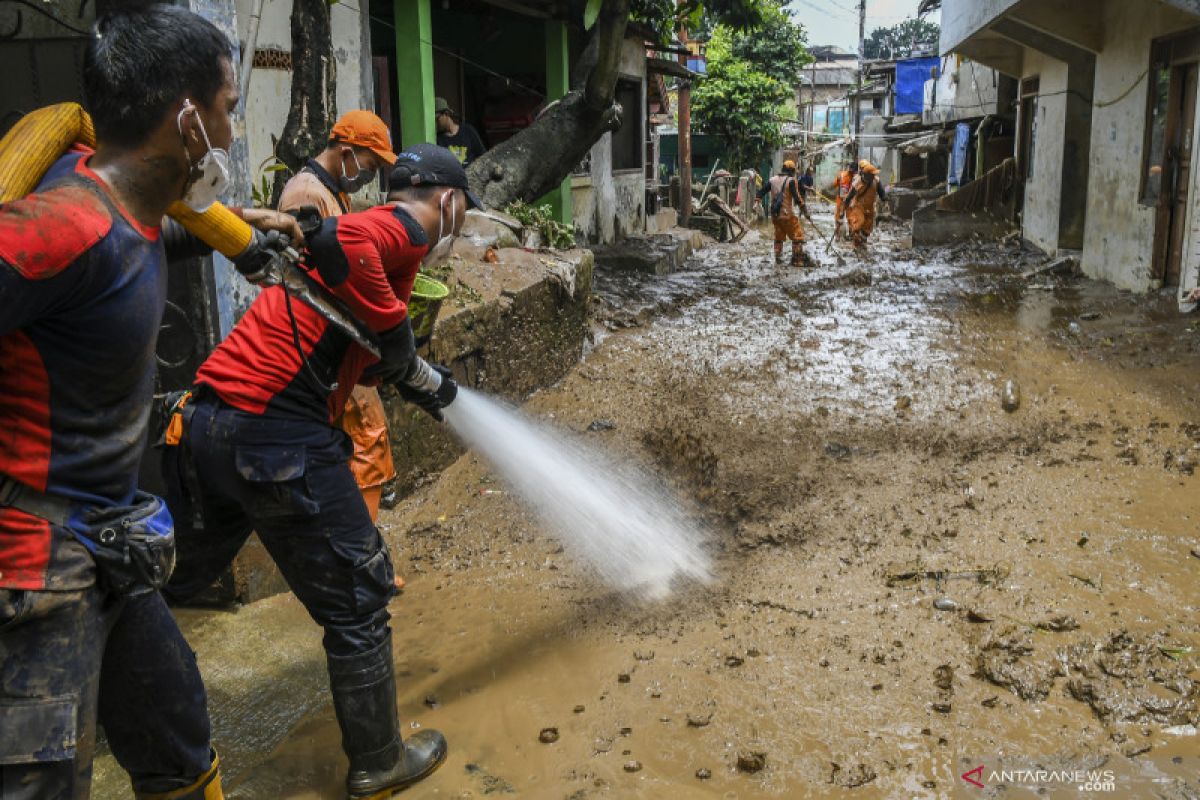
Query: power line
{"x": 817, "y": 8}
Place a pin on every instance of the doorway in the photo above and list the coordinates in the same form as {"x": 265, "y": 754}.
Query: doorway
{"x": 1179, "y": 162}
{"x": 1027, "y": 136}
{"x": 1167, "y": 167}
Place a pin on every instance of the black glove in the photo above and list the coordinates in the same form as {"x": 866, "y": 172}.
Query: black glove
{"x": 432, "y": 402}
{"x": 258, "y": 254}
{"x": 308, "y": 218}
{"x": 396, "y": 352}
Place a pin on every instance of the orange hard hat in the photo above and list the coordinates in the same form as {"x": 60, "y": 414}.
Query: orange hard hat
{"x": 364, "y": 129}
{"x": 789, "y": 164}
{"x": 867, "y": 166}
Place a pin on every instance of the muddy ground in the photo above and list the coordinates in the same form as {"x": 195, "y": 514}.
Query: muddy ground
{"x": 912, "y": 581}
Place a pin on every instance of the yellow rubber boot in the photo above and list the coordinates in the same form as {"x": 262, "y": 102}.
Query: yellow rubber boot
{"x": 206, "y": 787}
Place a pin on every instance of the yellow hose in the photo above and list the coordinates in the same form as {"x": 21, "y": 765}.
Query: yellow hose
{"x": 41, "y": 137}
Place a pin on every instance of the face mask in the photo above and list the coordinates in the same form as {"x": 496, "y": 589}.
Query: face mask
{"x": 441, "y": 249}
{"x": 209, "y": 176}
{"x": 364, "y": 177}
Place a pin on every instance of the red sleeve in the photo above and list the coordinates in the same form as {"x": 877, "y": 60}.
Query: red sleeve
{"x": 367, "y": 290}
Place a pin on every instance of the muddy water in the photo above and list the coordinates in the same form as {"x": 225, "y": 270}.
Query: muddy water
{"x": 911, "y": 582}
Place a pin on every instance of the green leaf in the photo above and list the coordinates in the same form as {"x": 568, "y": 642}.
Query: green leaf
{"x": 1174, "y": 653}
{"x": 591, "y": 12}
{"x": 276, "y": 168}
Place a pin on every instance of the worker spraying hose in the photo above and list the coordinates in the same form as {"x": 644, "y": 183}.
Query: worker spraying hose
{"x": 84, "y": 631}
{"x": 258, "y": 449}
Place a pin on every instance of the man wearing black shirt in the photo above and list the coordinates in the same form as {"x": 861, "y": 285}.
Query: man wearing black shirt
{"x": 459, "y": 138}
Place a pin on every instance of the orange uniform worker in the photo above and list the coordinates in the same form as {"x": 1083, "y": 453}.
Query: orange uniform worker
{"x": 841, "y": 190}
{"x": 359, "y": 145}
{"x": 787, "y": 204}
{"x": 865, "y": 192}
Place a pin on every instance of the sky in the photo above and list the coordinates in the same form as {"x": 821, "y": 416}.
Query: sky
{"x": 836, "y": 21}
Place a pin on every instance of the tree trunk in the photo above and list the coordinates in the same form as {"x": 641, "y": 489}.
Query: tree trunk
{"x": 536, "y": 160}
{"x": 314, "y": 82}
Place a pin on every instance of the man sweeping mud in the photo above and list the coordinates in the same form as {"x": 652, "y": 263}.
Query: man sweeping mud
{"x": 787, "y": 204}
{"x": 865, "y": 192}
{"x": 84, "y": 631}
{"x": 260, "y": 451}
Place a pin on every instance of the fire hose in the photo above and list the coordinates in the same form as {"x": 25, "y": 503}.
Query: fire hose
{"x": 41, "y": 137}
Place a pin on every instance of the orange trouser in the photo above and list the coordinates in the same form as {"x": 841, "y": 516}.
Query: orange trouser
{"x": 861, "y": 222}
{"x": 788, "y": 228}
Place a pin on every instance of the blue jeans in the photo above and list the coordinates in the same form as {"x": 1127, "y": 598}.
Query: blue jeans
{"x": 289, "y": 480}
{"x": 67, "y": 657}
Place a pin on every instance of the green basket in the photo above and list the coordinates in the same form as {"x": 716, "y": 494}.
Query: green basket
{"x": 424, "y": 304}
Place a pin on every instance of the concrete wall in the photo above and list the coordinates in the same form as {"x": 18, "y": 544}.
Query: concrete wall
{"x": 961, "y": 18}
{"x": 269, "y": 95}
{"x": 1043, "y": 191}
{"x": 1119, "y": 236}
{"x": 965, "y": 89}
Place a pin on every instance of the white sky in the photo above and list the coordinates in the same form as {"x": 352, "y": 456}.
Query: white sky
{"x": 836, "y": 21}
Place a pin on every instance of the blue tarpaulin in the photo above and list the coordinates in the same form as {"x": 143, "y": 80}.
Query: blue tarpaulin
{"x": 911, "y": 75}
{"x": 958, "y": 155}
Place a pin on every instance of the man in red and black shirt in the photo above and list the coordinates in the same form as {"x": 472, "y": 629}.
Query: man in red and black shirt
{"x": 82, "y": 294}
{"x": 260, "y": 450}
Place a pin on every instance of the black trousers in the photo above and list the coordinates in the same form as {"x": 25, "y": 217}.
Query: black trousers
{"x": 68, "y": 657}
{"x": 288, "y": 480}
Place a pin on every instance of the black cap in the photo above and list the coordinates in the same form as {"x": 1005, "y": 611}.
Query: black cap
{"x": 430, "y": 165}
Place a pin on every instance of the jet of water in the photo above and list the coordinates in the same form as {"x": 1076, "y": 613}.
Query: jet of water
{"x": 615, "y": 518}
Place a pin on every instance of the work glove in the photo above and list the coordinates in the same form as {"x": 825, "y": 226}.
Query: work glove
{"x": 432, "y": 402}
{"x": 397, "y": 349}
{"x": 253, "y": 261}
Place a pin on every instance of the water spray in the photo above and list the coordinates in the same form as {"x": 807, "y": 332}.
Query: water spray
{"x": 616, "y": 518}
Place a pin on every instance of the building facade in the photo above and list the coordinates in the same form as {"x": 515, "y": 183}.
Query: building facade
{"x": 1105, "y": 126}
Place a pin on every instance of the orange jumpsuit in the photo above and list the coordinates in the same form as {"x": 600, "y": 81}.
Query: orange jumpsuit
{"x": 787, "y": 222}
{"x": 841, "y": 186}
{"x": 860, "y": 211}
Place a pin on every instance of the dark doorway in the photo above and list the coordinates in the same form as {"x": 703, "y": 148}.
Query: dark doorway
{"x": 1167, "y": 165}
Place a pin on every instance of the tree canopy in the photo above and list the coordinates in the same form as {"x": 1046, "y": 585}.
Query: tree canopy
{"x": 749, "y": 86}
{"x": 666, "y": 17}
{"x": 901, "y": 39}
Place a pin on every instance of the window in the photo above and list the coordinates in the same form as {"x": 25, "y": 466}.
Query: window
{"x": 627, "y": 150}
{"x": 1156, "y": 135}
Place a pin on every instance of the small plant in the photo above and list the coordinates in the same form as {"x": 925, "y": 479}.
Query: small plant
{"x": 261, "y": 192}
{"x": 541, "y": 218}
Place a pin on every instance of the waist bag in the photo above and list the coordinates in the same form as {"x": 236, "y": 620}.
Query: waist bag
{"x": 134, "y": 545}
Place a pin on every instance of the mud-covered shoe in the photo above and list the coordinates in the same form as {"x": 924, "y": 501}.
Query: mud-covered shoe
{"x": 364, "y": 699}
{"x": 380, "y": 775}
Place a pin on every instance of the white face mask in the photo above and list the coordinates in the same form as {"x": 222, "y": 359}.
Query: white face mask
{"x": 445, "y": 243}
{"x": 209, "y": 176}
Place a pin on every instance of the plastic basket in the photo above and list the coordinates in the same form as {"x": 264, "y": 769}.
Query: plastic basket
{"x": 424, "y": 304}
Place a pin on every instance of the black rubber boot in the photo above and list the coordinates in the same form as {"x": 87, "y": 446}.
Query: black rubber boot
{"x": 364, "y": 698}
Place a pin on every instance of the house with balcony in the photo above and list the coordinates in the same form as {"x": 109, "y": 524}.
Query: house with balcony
{"x": 1105, "y": 126}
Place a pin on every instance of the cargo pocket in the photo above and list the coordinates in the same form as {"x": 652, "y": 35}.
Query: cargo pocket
{"x": 14, "y": 607}
{"x": 371, "y": 572}
{"x": 277, "y": 481}
{"x": 37, "y": 730}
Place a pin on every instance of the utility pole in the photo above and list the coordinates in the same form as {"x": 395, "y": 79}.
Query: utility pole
{"x": 685, "y": 136}
{"x": 856, "y": 111}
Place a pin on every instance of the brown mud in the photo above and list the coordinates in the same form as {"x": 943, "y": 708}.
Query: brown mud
{"x": 912, "y": 581}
